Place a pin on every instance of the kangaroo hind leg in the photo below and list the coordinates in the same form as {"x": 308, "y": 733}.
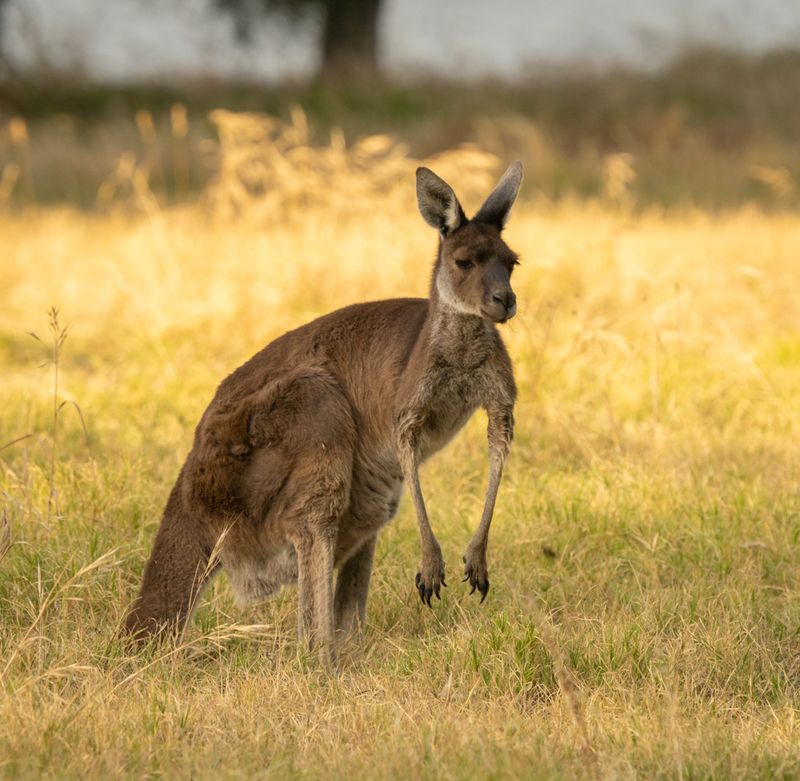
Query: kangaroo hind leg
{"x": 315, "y": 552}
{"x": 352, "y": 586}
{"x": 319, "y": 443}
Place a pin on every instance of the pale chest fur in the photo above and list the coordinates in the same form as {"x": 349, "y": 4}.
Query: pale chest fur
{"x": 454, "y": 395}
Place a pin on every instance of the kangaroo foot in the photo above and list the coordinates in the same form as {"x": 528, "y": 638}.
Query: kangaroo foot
{"x": 476, "y": 572}
{"x": 430, "y": 577}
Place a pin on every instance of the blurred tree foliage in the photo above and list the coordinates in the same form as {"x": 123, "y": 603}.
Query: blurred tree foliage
{"x": 349, "y": 37}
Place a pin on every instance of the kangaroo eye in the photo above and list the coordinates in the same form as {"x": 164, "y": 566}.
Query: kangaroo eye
{"x": 464, "y": 264}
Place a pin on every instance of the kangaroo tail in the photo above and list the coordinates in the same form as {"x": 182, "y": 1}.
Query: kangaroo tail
{"x": 176, "y": 573}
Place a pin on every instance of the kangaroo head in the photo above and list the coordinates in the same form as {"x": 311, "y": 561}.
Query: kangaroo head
{"x": 473, "y": 270}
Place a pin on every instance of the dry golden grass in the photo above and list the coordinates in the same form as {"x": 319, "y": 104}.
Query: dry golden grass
{"x": 644, "y": 618}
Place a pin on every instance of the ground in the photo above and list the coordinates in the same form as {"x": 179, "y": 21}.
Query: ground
{"x": 644, "y": 615}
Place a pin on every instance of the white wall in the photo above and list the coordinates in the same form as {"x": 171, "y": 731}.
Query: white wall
{"x": 504, "y": 36}
{"x": 117, "y": 40}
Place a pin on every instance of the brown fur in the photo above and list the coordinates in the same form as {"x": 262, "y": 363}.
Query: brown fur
{"x": 300, "y": 458}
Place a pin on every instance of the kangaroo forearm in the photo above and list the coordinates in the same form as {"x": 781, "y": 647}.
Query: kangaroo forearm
{"x": 407, "y": 442}
{"x": 500, "y": 434}
{"x": 411, "y": 476}
{"x": 481, "y": 537}
{"x": 430, "y": 576}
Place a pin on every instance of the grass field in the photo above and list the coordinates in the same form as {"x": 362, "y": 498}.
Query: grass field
{"x": 644, "y": 617}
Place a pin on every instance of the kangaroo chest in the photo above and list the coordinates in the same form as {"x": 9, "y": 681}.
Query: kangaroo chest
{"x": 453, "y": 394}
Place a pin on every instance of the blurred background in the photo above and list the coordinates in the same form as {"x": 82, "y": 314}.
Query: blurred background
{"x": 694, "y": 102}
{"x": 183, "y": 181}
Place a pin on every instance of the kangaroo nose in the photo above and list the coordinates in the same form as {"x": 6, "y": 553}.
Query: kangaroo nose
{"x": 506, "y": 298}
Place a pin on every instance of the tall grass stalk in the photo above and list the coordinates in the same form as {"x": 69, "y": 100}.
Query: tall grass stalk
{"x": 55, "y": 346}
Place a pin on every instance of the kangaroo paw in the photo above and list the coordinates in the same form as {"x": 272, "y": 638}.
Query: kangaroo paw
{"x": 476, "y": 573}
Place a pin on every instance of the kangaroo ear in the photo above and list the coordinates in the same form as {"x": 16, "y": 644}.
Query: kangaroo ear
{"x": 497, "y": 206}
{"x": 438, "y": 203}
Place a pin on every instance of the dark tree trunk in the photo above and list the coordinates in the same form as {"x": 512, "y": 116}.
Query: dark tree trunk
{"x": 350, "y": 39}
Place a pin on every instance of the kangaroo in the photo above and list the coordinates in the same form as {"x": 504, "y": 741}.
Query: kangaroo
{"x": 301, "y": 456}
